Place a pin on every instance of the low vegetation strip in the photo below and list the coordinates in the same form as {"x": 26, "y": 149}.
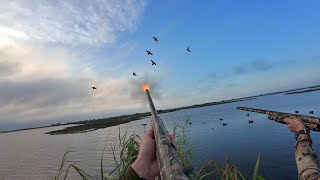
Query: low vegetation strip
{"x": 92, "y": 125}
{"x": 304, "y": 91}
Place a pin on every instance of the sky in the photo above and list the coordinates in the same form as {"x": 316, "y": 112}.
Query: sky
{"x": 52, "y": 52}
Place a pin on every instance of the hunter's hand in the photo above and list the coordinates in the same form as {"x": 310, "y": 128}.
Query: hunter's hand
{"x": 294, "y": 124}
{"x": 146, "y": 164}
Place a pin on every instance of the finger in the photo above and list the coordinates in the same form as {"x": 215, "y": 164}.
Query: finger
{"x": 291, "y": 127}
{"x": 171, "y": 136}
{"x": 173, "y": 141}
{"x": 149, "y": 133}
{"x": 286, "y": 120}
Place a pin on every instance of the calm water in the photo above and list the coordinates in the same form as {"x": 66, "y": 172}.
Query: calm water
{"x": 34, "y": 155}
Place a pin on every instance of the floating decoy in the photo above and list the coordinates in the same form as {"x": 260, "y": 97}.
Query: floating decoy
{"x": 297, "y": 112}
{"x": 155, "y": 39}
{"x": 153, "y": 63}
{"x": 149, "y": 52}
{"x": 248, "y": 114}
{"x": 188, "y": 49}
{"x": 310, "y": 112}
{"x": 134, "y": 74}
{"x": 190, "y": 123}
{"x": 144, "y": 126}
{"x": 224, "y": 124}
{"x": 212, "y": 128}
{"x": 93, "y": 87}
{"x": 250, "y": 121}
{"x": 220, "y": 119}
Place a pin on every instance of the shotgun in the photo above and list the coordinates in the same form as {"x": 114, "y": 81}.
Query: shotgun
{"x": 312, "y": 123}
{"x": 168, "y": 161}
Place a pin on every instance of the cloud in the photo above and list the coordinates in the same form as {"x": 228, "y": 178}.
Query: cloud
{"x": 7, "y": 68}
{"x": 230, "y": 79}
{"x": 39, "y": 83}
{"x": 73, "y": 22}
{"x": 240, "y": 70}
{"x": 256, "y": 65}
{"x": 26, "y": 61}
{"x": 260, "y": 65}
{"x": 212, "y": 76}
{"x": 316, "y": 58}
{"x": 29, "y": 99}
{"x": 43, "y": 92}
{"x": 48, "y": 65}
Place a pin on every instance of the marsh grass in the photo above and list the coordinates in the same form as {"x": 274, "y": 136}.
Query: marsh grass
{"x": 226, "y": 171}
{"x": 67, "y": 164}
{"x": 128, "y": 147}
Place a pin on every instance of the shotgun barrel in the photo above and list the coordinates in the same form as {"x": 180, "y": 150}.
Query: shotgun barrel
{"x": 169, "y": 164}
{"x": 312, "y": 123}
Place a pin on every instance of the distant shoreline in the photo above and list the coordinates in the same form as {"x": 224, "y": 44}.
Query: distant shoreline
{"x": 91, "y": 125}
{"x": 303, "y": 91}
{"x": 38, "y": 127}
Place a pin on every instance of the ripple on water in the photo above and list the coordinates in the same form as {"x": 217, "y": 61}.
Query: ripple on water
{"x": 35, "y": 155}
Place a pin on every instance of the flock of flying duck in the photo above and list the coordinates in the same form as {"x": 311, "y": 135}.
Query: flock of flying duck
{"x": 153, "y": 63}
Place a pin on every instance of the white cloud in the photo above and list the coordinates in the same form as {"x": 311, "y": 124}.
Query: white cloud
{"x": 41, "y": 76}
{"x": 69, "y": 22}
{"x": 39, "y": 84}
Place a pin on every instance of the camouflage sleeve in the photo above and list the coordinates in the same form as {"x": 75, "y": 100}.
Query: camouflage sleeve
{"x": 307, "y": 163}
{"x": 131, "y": 175}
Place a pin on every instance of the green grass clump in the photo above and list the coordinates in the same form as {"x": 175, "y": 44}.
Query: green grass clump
{"x": 129, "y": 148}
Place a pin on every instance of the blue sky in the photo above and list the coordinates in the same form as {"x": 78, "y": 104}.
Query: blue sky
{"x": 225, "y": 36}
{"x": 53, "y": 52}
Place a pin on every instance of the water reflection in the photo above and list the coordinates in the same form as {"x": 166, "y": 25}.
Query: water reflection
{"x": 34, "y": 155}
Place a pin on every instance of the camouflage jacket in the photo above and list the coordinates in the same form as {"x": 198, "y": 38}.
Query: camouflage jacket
{"x": 306, "y": 159}
{"x": 131, "y": 175}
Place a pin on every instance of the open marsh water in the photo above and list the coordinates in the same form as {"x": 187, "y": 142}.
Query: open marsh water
{"x": 34, "y": 155}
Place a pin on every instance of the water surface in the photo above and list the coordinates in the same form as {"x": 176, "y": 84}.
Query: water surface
{"x": 32, "y": 154}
